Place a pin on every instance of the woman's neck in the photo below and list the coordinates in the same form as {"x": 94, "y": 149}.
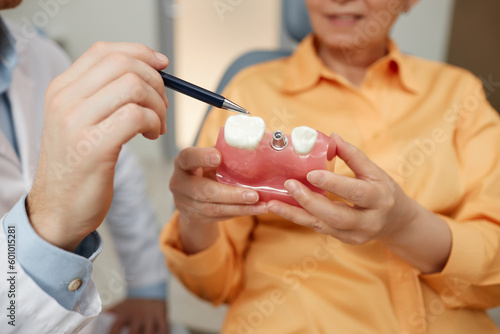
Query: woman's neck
{"x": 351, "y": 63}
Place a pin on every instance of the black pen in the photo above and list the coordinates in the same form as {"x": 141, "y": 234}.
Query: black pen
{"x": 199, "y": 93}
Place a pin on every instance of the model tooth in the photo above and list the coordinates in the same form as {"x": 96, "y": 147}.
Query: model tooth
{"x": 245, "y": 132}
{"x": 304, "y": 139}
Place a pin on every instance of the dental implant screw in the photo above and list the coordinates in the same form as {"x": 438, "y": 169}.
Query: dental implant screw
{"x": 279, "y": 141}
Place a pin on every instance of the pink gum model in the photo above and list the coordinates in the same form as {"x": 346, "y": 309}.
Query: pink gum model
{"x": 266, "y": 168}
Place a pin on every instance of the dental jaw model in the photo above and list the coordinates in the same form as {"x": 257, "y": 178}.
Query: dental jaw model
{"x": 263, "y": 161}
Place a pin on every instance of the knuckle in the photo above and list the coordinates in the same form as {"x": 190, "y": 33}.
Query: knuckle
{"x": 357, "y": 192}
{"x": 132, "y": 113}
{"x": 154, "y": 79}
{"x": 317, "y": 225}
{"x": 215, "y": 210}
{"x": 207, "y": 192}
{"x": 140, "y": 48}
{"x": 388, "y": 202}
{"x": 100, "y": 47}
{"x": 305, "y": 201}
{"x": 120, "y": 60}
{"x": 247, "y": 210}
{"x": 136, "y": 87}
{"x": 335, "y": 220}
{"x": 132, "y": 80}
{"x": 182, "y": 158}
{"x": 51, "y": 89}
{"x": 172, "y": 186}
{"x": 197, "y": 207}
{"x": 184, "y": 207}
{"x": 374, "y": 231}
{"x": 57, "y": 102}
{"x": 66, "y": 123}
{"x": 139, "y": 93}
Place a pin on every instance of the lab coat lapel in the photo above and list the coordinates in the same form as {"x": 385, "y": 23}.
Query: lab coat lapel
{"x": 21, "y": 97}
{"x": 7, "y": 153}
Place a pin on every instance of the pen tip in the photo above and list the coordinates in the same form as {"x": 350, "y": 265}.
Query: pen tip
{"x": 233, "y": 107}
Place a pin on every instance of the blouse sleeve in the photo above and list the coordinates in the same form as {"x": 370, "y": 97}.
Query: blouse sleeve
{"x": 471, "y": 277}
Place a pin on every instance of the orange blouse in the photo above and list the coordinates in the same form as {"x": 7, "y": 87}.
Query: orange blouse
{"x": 431, "y": 128}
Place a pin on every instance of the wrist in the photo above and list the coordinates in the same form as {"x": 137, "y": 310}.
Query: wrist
{"x": 424, "y": 241}
{"x": 50, "y": 226}
{"x": 406, "y": 227}
{"x": 195, "y": 236}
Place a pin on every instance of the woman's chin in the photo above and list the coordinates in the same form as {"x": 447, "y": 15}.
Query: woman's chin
{"x": 339, "y": 41}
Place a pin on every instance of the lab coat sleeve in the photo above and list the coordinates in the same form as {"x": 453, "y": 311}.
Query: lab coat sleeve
{"x": 28, "y": 307}
{"x": 34, "y": 310}
{"x": 135, "y": 229}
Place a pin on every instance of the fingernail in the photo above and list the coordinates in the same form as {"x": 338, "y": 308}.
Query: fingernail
{"x": 214, "y": 159}
{"x": 316, "y": 178}
{"x": 260, "y": 209}
{"x": 292, "y": 187}
{"x": 161, "y": 57}
{"x": 276, "y": 209}
{"x": 250, "y": 196}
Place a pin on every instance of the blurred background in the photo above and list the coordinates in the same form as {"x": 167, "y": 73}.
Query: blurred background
{"x": 202, "y": 38}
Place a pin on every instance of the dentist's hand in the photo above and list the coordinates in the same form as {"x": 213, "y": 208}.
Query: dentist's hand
{"x": 202, "y": 201}
{"x": 110, "y": 94}
{"x": 140, "y": 316}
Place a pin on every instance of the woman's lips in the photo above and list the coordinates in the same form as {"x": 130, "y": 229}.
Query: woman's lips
{"x": 344, "y": 20}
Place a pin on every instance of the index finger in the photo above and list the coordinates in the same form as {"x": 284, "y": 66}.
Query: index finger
{"x": 102, "y": 49}
{"x": 117, "y": 326}
{"x": 359, "y": 192}
{"x": 161, "y": 324}
{"x": 355, "y": 159}
{"x": 148, "y": 326}
{"x": 192, "y": 158}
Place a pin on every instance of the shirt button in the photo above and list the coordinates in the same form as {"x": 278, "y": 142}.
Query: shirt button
{"x": 75, "y": 284}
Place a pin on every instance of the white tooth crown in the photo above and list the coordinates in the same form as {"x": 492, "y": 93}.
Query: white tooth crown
{"x": 245, "y": 132}
{"x": 304, "y": 139}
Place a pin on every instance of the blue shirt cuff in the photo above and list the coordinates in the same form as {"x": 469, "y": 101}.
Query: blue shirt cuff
{"x": 52, "y": 268}
{"x": 153, "y": 291}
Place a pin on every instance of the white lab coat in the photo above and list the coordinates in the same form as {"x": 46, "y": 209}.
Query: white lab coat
{"x": 130, "y": 218}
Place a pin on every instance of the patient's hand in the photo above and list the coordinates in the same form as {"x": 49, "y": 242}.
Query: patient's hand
{"x": 380, "y": 207}
{"x": 380, "y": 211}
{"x": 202, "y": 201}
